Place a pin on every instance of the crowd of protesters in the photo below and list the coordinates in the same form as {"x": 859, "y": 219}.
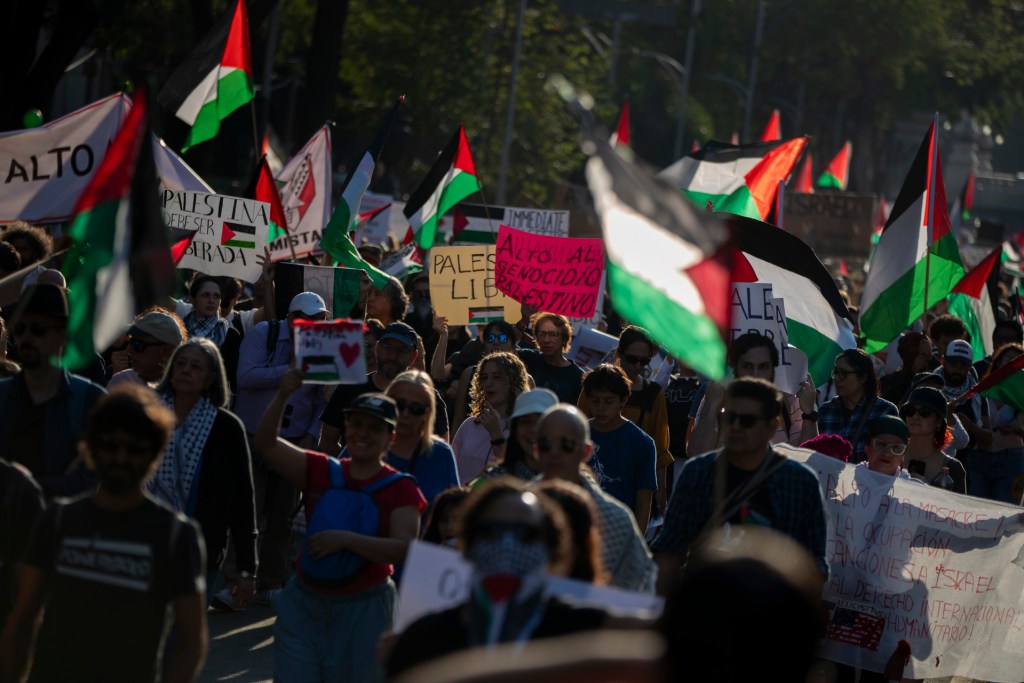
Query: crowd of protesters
{"x": 165, "y": 481}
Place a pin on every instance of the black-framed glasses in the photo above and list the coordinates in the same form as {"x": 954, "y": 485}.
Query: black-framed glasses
{"x": 911, "y": 411}
{"x": 636, "y": 360}
{"x": 140, "y": 345}
{"x": 549, "y": 334}
{"x": 415, "y": 409}
{"x": 841, "y": 374}
{"x": 523, "y": 531}
{"x": 894, "y": 448}
{"x": 34, "y": 329}
{"x": 567, "y": 444}
{"x": 746, "y": 420}
{"x": 497, "y": 338}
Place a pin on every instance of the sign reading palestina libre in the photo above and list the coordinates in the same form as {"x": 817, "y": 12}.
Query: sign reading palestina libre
{"x": 226, "y": 234}
{"x": 330, "y": 352}
{"x": 462, "y": 286}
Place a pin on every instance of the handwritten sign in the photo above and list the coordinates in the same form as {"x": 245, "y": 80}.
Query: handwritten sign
{"x": 437, "y": 577}
{"x": 462, "y": 286}
{"x": 478, "y": 224}
{"x": 557, "y": 274}
{"x": 756, "y": 309}
{"x": 330, "y": 352}
{"x": 944, "y": 572}
{"x": 589, "y": 348}
{"x": 227, "y": 233}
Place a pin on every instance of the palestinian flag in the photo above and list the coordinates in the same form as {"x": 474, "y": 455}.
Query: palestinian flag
{"x": 214, "y": 80}
{"x": 963, "y": 204}
{"x": 837, "y": 174}
{"x": 668, "y": 262}
{"x": 818, "y": 322}
{"x": 773, "y": 129}
{"x": 754, "y": 198}
{"x": 336, "y": 242}
{"x": 803, "y": 180}
{"x": 776, "y": 215}
{"x": 118, "y": 262}
{"x": 265, "y": 190}
{"x": 238, "y": 235}
{"x": 339, "y": 287}
{"x": 621, "y": 137}
{"x": 485, "y": 314}
{"x": 1005, "y": 384}
{"x": 971, "y": 303}
{"x": 916, "y": 256}
{"x": 449, "y": 181}
{"x": 404, "y": 262}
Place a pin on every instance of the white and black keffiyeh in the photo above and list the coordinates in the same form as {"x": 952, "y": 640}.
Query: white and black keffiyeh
{"x": 214, "y": 328}
{"x": 173, "y": 480}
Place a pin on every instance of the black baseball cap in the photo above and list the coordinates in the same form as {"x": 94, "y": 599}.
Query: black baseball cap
{"x": 376, "y": 404}
{"x": 401, "y": 332}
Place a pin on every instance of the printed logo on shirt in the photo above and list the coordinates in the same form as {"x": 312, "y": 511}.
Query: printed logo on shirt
{"x": 113, "y": 563}
{"x": 598, "y": 468}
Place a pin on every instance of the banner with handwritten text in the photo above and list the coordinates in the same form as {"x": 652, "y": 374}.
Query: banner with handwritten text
{"x": 330, "y": 352}
{"x": 462, "y": 286}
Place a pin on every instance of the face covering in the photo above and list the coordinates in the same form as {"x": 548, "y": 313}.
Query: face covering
{"x": 508, "y": 555}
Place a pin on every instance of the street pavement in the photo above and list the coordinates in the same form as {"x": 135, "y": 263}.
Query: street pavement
{"x": 240, "y": 646}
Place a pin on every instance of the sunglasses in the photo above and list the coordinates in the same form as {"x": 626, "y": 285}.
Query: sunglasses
{"x": 746, "y": 420}
{"x": 894, "y": 448}
{"x": 34, "y": 329}
{"x": 523, "y": 531}
{"x": 567, "y": 444}
{"x": 497, "y": 338}
{"x": 138, "y": 345}
{"x": 911, "y": 411}
{"x": 636, "y": 360}
{"x": 842, "y": 374}
{"x": 415, "y": 409}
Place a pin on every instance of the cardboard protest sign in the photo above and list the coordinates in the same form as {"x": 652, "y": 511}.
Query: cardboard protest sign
{"x": 557, "y": 274}
{"x": 835, "y": 224}
{"x": 330, "y": 352}
{"x": 226, "y": 233}
{"x": 43, "y": 170}
{"x": 437, "y": 577}
{"x": 755, "y": 309}
{"x": 478, "y": 224}
{"x": 589, "y": 348}
{"x": 462, "y": 286}
{"x": 305, "y": 187}
{"x": 917, "y": 563}
{"x": 339, "y": 287}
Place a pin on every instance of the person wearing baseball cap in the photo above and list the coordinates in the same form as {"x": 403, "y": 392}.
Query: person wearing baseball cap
{"x": 396, "y": 352}
{"x": 887, "y": 442}
{"x": 516, "y": 455}
{"x": 352, "y": 614}
{"x": 43, "y": 408}
{"x": 152, "y": 339}
{"x": 958, "y": 378}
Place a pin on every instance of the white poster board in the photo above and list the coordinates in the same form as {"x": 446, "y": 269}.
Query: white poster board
{"x": 330, "y": 352}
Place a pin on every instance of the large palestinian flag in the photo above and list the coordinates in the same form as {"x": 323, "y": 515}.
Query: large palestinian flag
{"x": 451, "y": 179}
{"x": 119, "y": 262}
{"x": 819, "y": 324}
{"x": 837, "y": 174}
{"x": 916, "y": 256}
{"x": 214, "y": 80}
{"x": 971, "y": 303}
{"x": 668, "y": 262}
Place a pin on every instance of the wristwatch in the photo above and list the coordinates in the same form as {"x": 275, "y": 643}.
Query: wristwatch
{"x": 810, "y": 417}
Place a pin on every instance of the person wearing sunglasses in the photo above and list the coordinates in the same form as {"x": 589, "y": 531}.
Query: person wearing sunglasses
{"x": 416, "y": 449}
{"x": 562, "y": 446}
{"x": 548, "y": 365}
{"x": 496, "y": 336}
{"x": 855, "y": 406}
{"x": 152, "y": 339}
{"x": 925, "y": 413}
{"x": 517, "y": 457}
{"x": 44, "y": 408}
{"x": 746, "y": 482}
{"x": 513, "y": 538}
{"x": 886, "y": 445}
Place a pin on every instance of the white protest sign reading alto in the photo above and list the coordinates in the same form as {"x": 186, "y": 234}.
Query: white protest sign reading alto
{"x": 43, "y": 170}
{"x": 908, "y": 561}
{"x": 226, "y": 233}
{"x": 330, "y": 351}
{"x": 436, "y": 577}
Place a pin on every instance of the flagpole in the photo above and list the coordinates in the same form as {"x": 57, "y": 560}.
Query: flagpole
{"x": 932, "y": 154}
{"x": 255, "y": 128}
{"x": 490, "y": 225}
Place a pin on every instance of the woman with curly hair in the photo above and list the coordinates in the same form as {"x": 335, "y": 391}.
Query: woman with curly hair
{"x": 497, "y": 383}
{"x": 925, "y": 414}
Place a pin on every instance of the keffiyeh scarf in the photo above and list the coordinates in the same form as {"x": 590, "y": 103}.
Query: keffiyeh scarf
{"x": 173, "y": 480}
{"x": 214, "y": 328}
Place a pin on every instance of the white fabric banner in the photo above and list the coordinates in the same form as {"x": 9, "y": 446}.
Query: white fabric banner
{"x": 43, "y": 170}
{"x": 942, "y": 571}
{"x": 305, "y": 185}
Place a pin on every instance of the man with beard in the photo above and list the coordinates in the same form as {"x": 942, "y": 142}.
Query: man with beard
{"x": 43, "y": 408}
{"x": 115, "y": 561}
{"x": 396, "y": 352}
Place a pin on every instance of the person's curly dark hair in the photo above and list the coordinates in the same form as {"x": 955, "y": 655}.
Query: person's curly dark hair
{"x": 39, "y": 240}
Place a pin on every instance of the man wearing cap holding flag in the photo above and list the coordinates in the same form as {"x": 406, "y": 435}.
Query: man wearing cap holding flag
{"x": 266, "y": 354}
{"x": 43, "y": 409}
{"x": 959, "y": 379}
{"x": 152, "y": 339}
{"x": 396, "y": 353}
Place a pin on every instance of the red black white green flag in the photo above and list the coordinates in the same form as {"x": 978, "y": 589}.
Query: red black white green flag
{"x": 837, "y": 174}
{"x": 451, "y": 179}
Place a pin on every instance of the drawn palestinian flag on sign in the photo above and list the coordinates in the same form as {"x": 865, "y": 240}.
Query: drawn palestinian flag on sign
{"x": 479, "y": 316}
{"x": 236, "y": 234}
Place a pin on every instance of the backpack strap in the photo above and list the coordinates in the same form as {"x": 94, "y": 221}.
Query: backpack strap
{"x": 385, "y": 482}
{"x": 336, "y": 473}
{"x": 647, "y": 395}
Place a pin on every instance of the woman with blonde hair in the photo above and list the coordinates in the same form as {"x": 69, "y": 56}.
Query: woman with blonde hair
{"x": 497, "y": 382}
{"x": 415, "y": 449}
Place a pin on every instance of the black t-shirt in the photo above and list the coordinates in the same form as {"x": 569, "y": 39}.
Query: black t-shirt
{"x": 110, "y": 580}
{"x": 344, "y": 394}
{"x": 679, "y": 397}
{"x": 21, "y": 505}
{"x": 757, "y": 509}
{"x": 565, "y": 381}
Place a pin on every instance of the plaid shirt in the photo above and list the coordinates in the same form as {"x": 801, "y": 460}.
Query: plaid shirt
{"x": 798, "y": 509}
{"x": 834, "y": 418}
{"x": 624, "y": 553}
